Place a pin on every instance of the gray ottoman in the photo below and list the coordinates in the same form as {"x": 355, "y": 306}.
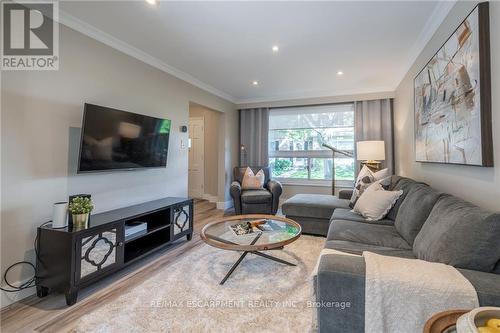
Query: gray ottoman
{"x": 313, "y": 211}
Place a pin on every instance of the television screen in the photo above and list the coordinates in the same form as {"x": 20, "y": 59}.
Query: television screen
{"x": 119, "y": 140}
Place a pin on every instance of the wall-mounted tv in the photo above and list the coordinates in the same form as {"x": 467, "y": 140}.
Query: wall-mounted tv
{"x": 119, "y": 140}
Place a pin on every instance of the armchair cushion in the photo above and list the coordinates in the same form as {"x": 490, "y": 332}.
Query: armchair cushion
{"x": 256, "y": 196}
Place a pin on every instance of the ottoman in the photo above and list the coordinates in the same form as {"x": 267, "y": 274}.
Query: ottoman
{"x": 313, "y": 211}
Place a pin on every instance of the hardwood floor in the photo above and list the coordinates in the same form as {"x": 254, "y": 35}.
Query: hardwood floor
{"x": 50, "y": 314}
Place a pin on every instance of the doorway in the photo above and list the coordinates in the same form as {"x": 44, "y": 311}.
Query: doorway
{"x": 206, "y": 139}
{"x": 196, "y": 157}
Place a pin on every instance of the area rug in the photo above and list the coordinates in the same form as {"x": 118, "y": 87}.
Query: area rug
{"x": 261, "y": 295}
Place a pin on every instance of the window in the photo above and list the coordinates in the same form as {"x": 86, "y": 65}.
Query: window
{"x": 296, "y": 136}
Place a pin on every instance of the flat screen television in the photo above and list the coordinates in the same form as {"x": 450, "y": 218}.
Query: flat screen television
{"x": 119, "y": 140}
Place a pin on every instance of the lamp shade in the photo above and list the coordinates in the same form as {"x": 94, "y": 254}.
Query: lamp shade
{"x": 370, "y": 150}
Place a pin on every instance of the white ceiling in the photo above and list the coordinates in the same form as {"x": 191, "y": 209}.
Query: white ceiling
{"x": 224, "y": 46}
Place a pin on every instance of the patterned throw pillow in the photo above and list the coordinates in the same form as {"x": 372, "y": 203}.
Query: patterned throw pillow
{"x": 251, "y": 181}
{"x": 365, "y": 179}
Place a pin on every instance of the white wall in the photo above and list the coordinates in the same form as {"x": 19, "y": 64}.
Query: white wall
{"x": 40, "y": 121}
{"x": 478, "y": 185}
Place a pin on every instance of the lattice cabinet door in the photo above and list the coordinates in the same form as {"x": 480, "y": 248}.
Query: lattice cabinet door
{"x": 100, "y": 252}
{"x": 182, "y": 221}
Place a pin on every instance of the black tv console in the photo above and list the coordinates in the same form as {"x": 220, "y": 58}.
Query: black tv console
{"x": 69, "y": 259}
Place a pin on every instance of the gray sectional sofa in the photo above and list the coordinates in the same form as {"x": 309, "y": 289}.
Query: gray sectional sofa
{"x": 424, "y": 224}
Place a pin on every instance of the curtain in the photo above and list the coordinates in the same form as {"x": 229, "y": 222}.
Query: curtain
{"x": 254, "y": 132}
{"x": 374, "y": 121}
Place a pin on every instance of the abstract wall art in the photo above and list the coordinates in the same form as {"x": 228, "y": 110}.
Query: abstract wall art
{"x": 453, "y": 98}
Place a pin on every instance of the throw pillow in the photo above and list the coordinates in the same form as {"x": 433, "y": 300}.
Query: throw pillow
{"x": 253, "y": 181}
{"x": 375, "y": 202}
{"x": 381, "y": 174}
{"x": 365, "y": 178}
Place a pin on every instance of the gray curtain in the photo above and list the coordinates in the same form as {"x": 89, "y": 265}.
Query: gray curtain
{"x": 374, "y": 121}
{"x": 254, "y": 131}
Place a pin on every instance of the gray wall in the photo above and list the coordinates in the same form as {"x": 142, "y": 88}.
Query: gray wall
{"x": 40, "y": 120}
{"x": 478, "y": 185}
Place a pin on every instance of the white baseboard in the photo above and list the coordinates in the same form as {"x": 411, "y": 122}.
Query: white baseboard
{"x": 224, "y": 204}
{"x": 209, "y": 197}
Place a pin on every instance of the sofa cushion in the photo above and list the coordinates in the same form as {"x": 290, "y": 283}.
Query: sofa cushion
{"x": 256, "y": 196}
{"x": 365, "y": 233}
{"x": 397, "y": 184}
{"x": 349, "y": 215}
{"x": 414, "y": 210}
{"x": 313, "y": 205}
{"x": 460, "y": 234}
{"x": 358, "y": 248}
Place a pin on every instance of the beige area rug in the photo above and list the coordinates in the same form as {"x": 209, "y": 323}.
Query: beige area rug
{"x": 261, "y": 295}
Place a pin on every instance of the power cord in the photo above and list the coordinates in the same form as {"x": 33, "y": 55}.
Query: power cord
{"x": 32, "y": 281}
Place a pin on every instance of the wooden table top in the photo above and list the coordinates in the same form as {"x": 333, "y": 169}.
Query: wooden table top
{"x": 442, "y": 321}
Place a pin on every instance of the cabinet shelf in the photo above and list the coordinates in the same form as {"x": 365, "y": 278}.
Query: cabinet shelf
{"x": 146, "y": 243}
{"x": 148, "y": 232}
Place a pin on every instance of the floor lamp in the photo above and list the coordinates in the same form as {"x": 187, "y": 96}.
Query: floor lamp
{"x": 334, "y": 151}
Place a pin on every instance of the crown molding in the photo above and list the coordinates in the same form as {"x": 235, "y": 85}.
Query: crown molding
{"x": 389, "y": 91}
{"x": 432, "y": 24}
{"x": 105, "y": 38}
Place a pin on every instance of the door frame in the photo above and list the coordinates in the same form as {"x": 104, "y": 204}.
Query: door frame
{"x": 203, "y": 161}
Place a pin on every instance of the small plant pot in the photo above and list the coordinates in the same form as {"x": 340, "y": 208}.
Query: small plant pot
{"x": 80, "y": 221}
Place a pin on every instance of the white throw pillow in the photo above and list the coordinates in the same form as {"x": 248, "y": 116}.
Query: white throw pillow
{"x": 251, "y": 181}
{"x": 381, "y": 174}
{"x": 376, "y": 202}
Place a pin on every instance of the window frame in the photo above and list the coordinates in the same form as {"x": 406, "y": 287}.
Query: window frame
{"x": 311, "y": 154}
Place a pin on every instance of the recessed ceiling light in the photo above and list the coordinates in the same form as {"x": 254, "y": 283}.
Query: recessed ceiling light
{"x": 152, "y": 2}
{"x": 255, "y": 83}
{"x": 340, "y": 73}
{"x": 276, "y": 48}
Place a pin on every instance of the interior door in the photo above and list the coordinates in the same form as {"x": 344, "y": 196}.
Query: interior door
{"x": 196, "y": 158}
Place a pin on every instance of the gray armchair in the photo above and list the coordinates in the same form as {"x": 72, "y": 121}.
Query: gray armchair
{"x": 265, "y": 201}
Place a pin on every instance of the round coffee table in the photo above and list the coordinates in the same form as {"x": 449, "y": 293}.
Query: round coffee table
{"x": 270, "y": 232}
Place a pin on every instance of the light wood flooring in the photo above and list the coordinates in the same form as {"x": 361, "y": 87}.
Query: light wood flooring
{"x": 50, "y": 314}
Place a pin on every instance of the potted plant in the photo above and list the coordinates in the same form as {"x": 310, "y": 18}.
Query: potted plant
{"x": 80, "y": 208}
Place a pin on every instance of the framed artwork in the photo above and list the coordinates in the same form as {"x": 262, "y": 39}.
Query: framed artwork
{"x": 453, "y": 98}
